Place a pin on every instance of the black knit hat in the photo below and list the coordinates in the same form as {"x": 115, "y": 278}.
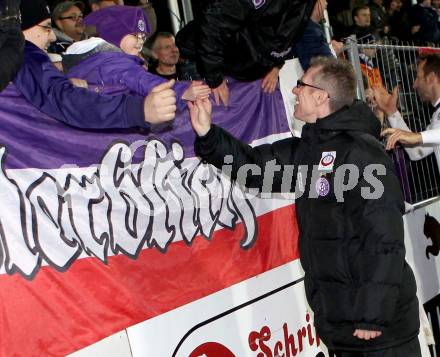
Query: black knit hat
{"x": 33, "y": 12}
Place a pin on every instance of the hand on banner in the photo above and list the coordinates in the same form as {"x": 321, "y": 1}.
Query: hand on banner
{"x": 402, "y": 136}
{"x": 385, "y": 101}
{"x": 160, "y": 104}
{"x": 221, "y": 93}
{"x": 197, "y": 90}
{"x": 270, "y": 80}
{"x": 200, "y": 112}
{"x": 78, "y": 82}
{"x": 366, "y": 334}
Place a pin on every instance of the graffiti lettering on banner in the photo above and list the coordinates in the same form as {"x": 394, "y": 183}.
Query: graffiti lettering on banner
{"x": 118, "y": 207}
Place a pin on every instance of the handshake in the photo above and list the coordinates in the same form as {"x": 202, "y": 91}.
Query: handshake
{"x": 160, "y": 104}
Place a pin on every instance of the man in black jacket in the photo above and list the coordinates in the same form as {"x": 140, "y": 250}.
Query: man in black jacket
{"x": 362, "y": 291}
{"x": 11, "y": 41}
{"x": 244, "y": 39}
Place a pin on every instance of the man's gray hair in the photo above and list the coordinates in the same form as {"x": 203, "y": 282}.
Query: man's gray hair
{"x": 338, "y": 78}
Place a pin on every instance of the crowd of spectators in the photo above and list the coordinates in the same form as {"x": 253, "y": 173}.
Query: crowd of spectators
{"x": 112, "y": 48}
{"x": 396, "y": 19}
{"x": 219, "y": 44}
{"x": 208, "y": 49}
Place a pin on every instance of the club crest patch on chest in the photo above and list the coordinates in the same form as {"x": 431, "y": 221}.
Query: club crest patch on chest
{"x": 141, "y": 25}
{"x": 327, "y": 161}
{"x": 322, "y": 186}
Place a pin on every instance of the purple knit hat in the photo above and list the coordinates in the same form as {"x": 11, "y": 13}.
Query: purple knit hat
{"x": 114, "y": 22}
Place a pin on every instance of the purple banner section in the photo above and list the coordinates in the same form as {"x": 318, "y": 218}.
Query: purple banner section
{"x": 34, "y": 140}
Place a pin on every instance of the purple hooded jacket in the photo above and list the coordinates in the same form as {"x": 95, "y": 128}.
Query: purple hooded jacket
{"x": 113, "y": 72}
{"x": 52, "y": 93}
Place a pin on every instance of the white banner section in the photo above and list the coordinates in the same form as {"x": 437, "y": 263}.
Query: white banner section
{"x": 422, "y": 242}
{"x": 263, "y": 316}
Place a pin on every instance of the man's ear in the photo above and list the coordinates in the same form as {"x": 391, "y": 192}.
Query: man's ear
{"x": 320, "y": 97}
{"x": 95, "y": 7}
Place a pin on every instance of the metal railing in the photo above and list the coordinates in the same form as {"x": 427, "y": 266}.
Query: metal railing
{"x": 393, "y": 63}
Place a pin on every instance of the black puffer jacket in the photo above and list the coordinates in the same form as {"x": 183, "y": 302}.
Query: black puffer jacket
{"x": 11, "y": 41}
{"x": 243, "y": 38}
{"x": 352, "y": 251}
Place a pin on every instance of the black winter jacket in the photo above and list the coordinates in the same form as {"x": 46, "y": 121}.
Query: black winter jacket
{"x": 11, "y": 41}
{"x": 352, "y": 251}
{"x": 243, "y": 38}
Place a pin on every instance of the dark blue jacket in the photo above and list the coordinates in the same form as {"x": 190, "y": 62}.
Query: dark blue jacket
{"x": 312, "y": 43}
{"x": 427, "y": 19}
{"x": 50, "y": 91}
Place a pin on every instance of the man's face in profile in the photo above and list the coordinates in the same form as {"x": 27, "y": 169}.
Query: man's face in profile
{"x": 306, "y": 106}
{"x": 422, "y": 84}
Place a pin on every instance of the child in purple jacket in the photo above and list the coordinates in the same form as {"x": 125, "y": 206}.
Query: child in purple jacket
{"x": 126, "y": 27}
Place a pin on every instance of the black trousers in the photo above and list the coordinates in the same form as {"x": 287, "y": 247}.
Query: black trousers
{"x": 408, "y": 349}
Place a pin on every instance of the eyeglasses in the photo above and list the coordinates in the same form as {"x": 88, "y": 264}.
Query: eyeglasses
{"x": 300, "y": 83}
{"x": 167, "y": 47}
{"x": 48, "y": 27}
{"x": 73, "y": 17}
{"x": 140, "y": 36}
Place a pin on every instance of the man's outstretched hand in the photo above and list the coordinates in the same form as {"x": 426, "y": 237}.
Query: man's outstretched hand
{"x": 385, "y": 101}
{"x": 160, "y": 104}
{"x": 402, "y": 136}
{"x": 200, "y": 113}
